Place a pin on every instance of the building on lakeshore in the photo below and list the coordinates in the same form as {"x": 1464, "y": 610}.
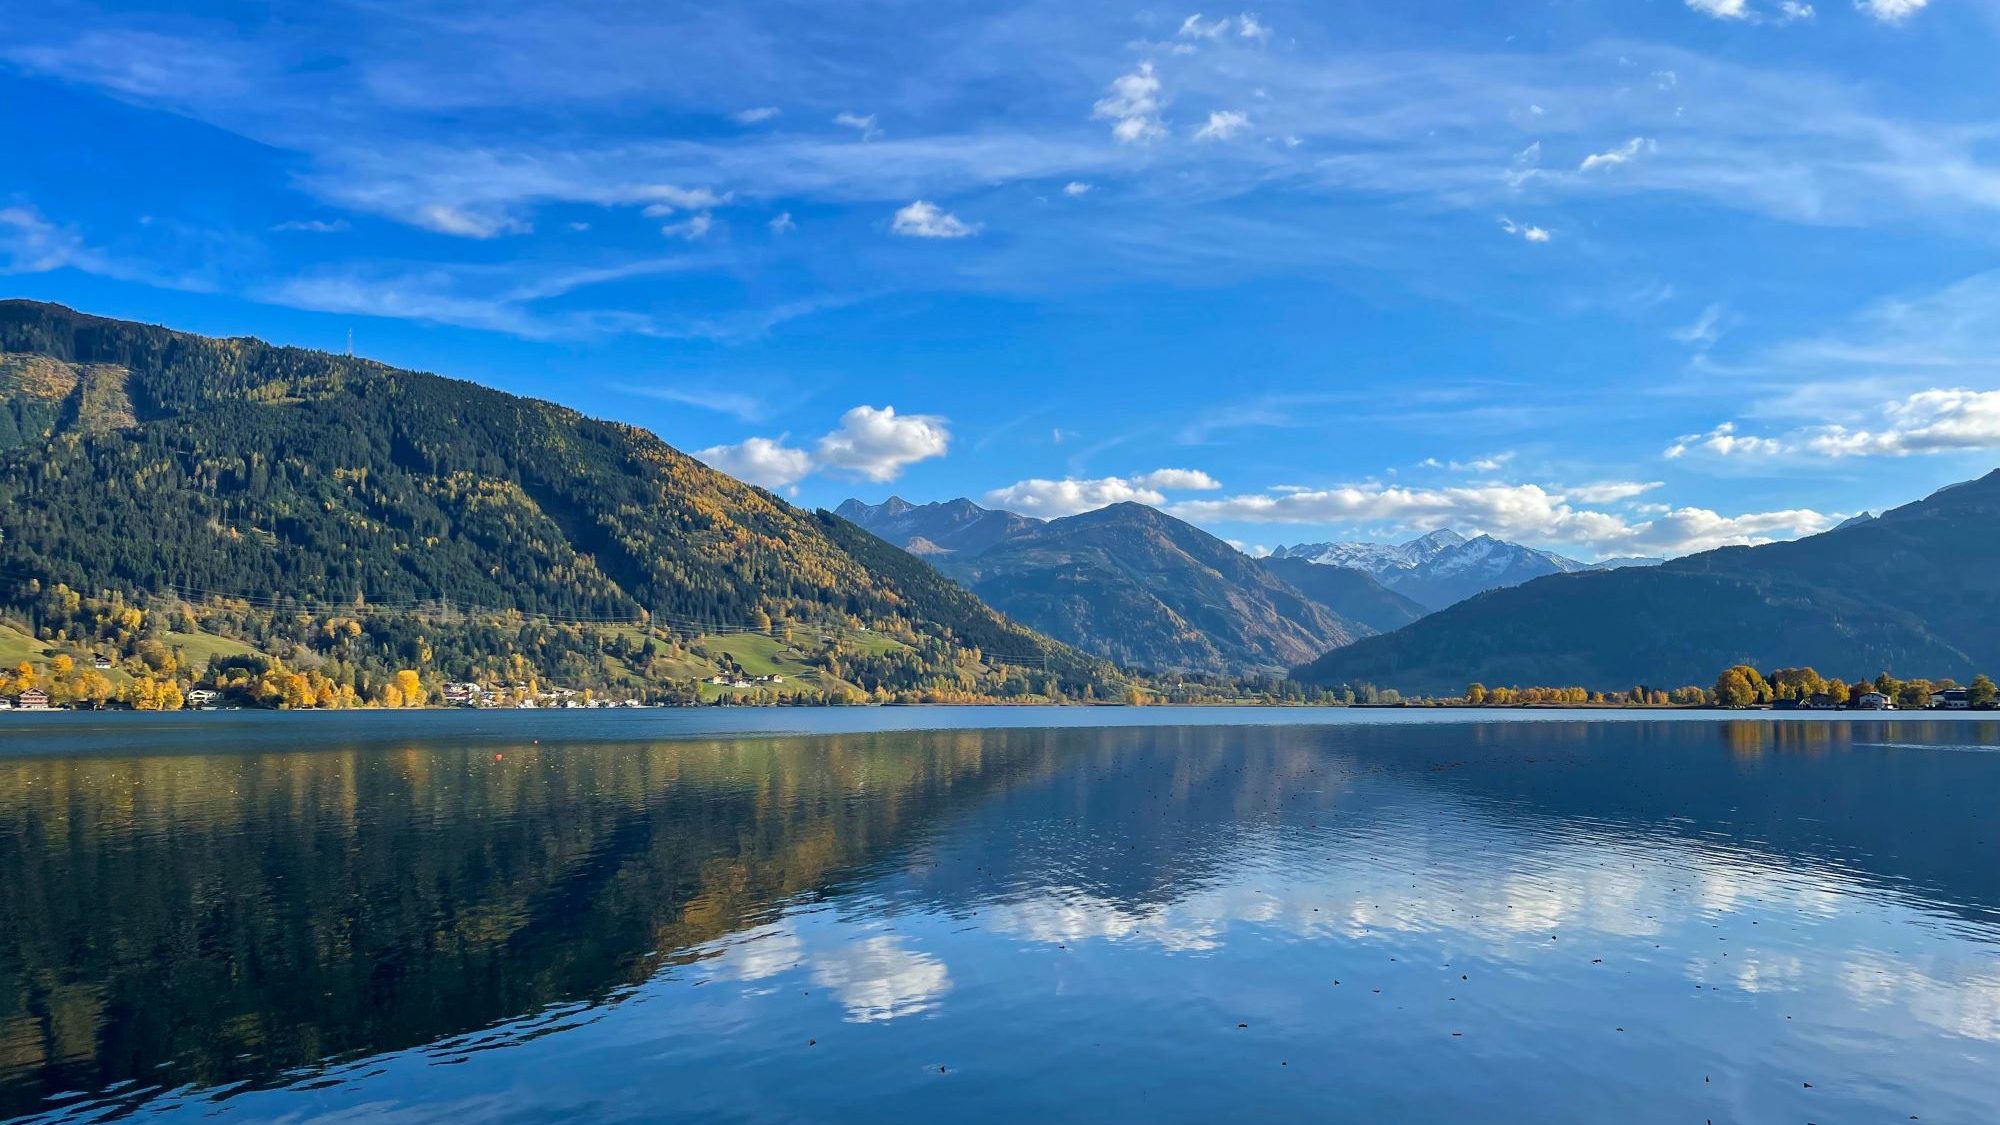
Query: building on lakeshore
{"x": 1952, "y": 699}
{"x": 1875, "y": 701}
{"x": 34, "y": 699}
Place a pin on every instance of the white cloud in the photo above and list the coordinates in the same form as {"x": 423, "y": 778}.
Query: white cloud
{"x": 761, "y": 461}
{"x": 924, "y": 219}
{"x": 1891, "y": 11}
{"x": 1933, "y": 421}
{"x": 1510, "y": 510}
{"x": 1222, "y": 125}
{"x": 1525, "y": 232}
{"x": 1070, "y": 496}
{"x": 1684, "y": 531}
{"x": 1722, "y": 9}
{"x": 1792, "y": 10}
{"x": 1187, "y": 480}
{"x": 876, "y": 444}
{"x": 1526, "y": 512}
{"x": 871, "y": 443}
{"x": 757, "y": 114}
{"x": 863, "y": 124}
{"x": 1623, "y": 154}
{"x": 1705, "y": 330}
{"x": 1724, "y": 441}
{"x": 782, "y": 223}
{"x": 1249, "y": 27}
{"x": 1133, "y": 106}
{"x": 1929, "y": 421}
{"x": 1075, "y": 188}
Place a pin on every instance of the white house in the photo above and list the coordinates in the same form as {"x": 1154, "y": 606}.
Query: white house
{"x": 1952, "y": 699}
{"x": 1875, "y": 701}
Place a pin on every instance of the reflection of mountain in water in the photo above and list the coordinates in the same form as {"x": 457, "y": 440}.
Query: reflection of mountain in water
{"x": 1149, "y": 817}
{"x": 232, "y": 917}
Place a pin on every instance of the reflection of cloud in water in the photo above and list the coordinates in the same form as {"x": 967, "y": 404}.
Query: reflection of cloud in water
{"x": 763, "y": 952}
{"x": 1511, "y": 890}
{"x": 1936, "y": 993}
{"x": 878, "y": 979}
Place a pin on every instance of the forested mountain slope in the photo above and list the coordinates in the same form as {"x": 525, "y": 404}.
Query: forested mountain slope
{"x": 1353, "y": 594}
{"x": 1138, "y": 586}
{"x": 1910, "y": 592}
{"x": 1150, "y": 591}
{"x": 236, "y": 480}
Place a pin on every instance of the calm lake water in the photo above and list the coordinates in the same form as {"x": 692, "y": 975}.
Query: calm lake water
{"x": 1059, "y": 915}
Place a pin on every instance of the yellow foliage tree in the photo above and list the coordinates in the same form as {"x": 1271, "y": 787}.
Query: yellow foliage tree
{"x": 411, "y": 687}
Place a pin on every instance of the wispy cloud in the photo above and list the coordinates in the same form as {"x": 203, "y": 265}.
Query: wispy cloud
{"x": 736, "y": 404}
{"x": 313, "y": 226}
{"x": 1704, "y": 330}
{"x": 1221, "y": 125}
{"x": 1525, "y": 231}
{"x": 1623, "y": 154}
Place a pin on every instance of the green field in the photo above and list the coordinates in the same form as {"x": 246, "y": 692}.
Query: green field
{"x": 200, "y": 648}
{"x": 16, "y": 646}
{"x": 760, "y": 655}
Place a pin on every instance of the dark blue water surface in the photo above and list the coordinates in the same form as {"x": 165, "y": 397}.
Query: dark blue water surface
{"x": 966, "y": 915}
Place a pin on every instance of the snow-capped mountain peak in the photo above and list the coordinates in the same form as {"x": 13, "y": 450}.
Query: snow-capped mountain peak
{"x": 1441, "y": 567}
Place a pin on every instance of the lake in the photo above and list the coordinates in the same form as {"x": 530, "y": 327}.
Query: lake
{"x": 999, "y": 915}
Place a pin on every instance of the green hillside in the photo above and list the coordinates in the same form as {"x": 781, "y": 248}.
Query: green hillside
{"x": 354, "y": 519}
{"x": 1911, "y": 593}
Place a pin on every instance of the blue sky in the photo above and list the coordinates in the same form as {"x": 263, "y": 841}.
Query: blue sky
{"x": 1606, "y": 276}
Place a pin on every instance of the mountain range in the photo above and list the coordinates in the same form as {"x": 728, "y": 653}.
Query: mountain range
{"x": 1138, "y": 586}
{"x": 353, "y": 519}
{"x": 1910, "y": 591}
{"x": 1444, "y": 568}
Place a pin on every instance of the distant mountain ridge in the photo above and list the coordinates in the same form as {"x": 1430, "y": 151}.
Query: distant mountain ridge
{"x": 1910, "y": 591}
{"x": 948, "y": 526}
{"x": 1443, "y": 567}
{"x": 1136, "y": 585}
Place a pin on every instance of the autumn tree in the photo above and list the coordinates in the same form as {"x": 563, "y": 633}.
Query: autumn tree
{"x": 1982, "y": 692}
{"x": 1734, "y": 687}
{"x": 411, "y": 687}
